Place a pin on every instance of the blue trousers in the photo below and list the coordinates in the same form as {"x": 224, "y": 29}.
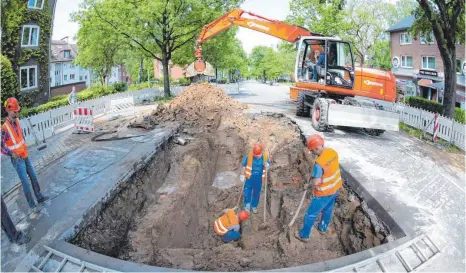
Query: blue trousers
{"x": 231, "y": 235}
{"x": 24, "y": 168}
{"x": 318, "y": 204}
{"x": 252, "y": 191}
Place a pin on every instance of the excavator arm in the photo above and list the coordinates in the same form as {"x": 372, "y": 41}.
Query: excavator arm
{"x": 282, "y": 30}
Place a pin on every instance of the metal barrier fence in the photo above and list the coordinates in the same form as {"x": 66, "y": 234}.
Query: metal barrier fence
{"x": 449, "y": 129}
{"x": 49, "y": 123}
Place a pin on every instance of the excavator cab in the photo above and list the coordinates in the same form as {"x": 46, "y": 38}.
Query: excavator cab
{"x": 325, "y": 61}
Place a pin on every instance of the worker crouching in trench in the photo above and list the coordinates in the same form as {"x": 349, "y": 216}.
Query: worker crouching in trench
{"x": 255, "y": 167}
{"x": 227, "y": 226}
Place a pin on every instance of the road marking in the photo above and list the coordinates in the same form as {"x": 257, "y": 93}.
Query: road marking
{"x": 437, "y": 191}
{"x": 461, "y": 189}
{"x": 419, "y": 192}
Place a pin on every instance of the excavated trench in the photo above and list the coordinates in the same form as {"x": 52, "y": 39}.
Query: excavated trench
{"x": 164, "y": 214}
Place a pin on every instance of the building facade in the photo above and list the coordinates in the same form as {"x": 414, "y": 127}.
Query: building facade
{"x": 119, "y": 74}
{"x": 175, "y": 72}
{"x": 26, "y": 44}
{"x": 63, "y": 73}
{"x": 418, "y": 66}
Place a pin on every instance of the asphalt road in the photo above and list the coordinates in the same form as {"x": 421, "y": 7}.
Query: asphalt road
{"x": 422, "y": 187}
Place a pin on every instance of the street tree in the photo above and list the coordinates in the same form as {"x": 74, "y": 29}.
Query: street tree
{"x": 446, "y": 18}
{"x": 100, "y": 48}
{"x": 159, "y": 27}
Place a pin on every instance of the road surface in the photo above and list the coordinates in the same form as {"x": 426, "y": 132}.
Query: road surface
{"x": 422, "y": 187}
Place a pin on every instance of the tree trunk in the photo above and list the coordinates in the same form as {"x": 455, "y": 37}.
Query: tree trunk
{"x": 449, "y": 93}
{"x": 166, "y": 76}
{"x": 141, "y": 71}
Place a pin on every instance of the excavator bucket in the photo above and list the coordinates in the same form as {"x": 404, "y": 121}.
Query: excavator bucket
{"x": 369, "y": 118}
{"x": 208, "y": 71}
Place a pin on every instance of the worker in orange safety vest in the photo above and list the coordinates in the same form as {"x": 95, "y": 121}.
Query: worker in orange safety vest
{"x": 14, "y": 146}
{"x": 227, "y": 226}
{"x": 326, "y": 181}
{"x": 255, "y": 166}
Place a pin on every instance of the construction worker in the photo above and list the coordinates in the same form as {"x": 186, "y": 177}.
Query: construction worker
{"x": 326, "y": 181}
{"x": 13, "y": 235}
{"x": 255, "y": 166}
{"x": 227, "y": 226}
{"x": 73, "y": 96}
{"x": 14, "y": 145}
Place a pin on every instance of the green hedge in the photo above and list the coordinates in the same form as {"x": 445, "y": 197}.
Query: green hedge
{"x": 425, "y": 104}
{"x": 62, "y": 100}
{"x": 139, "y": 86}
{"x": 460, "y": 115}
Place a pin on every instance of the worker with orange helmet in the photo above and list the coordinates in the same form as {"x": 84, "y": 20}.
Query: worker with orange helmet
{"x": 326, "y": 181}
{"x": 227, "y": 226}
{"x": 255, "y": 166}
{"x": 14, "y": 145}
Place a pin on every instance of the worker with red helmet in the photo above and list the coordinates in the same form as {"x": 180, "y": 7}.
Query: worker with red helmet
{"x": 227, "y": 226}
{"x": 14, "y": 145}
{"x": 255, "y": 166}
{"x": 326, "y": 181}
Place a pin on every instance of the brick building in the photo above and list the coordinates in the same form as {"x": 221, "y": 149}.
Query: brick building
{"x": 175, "y": 71}
{"x": 418, "y": 66}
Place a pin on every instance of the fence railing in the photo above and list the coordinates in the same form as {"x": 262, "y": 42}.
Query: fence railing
{"x": 449, "y": 129}
{"x": 47, "y": 124}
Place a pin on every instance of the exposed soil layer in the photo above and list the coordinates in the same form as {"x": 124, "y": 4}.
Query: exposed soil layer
{"x": 164, "y": 215}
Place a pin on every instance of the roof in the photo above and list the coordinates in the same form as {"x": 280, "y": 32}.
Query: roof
{"x": 425, "y": 82}
{"x": 403, "y": 25}
{"x": 58, "y": 47}
{"x": 437, "y": 85}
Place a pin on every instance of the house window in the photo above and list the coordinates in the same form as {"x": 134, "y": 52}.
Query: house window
{"x": 428, "y": 62}
{"x": 30, "y": 36}
{"x": 427, "y": 39}
{"x": 458, "y": 66}
{"x": 66, "y": 53}
{"x": 85, "y": 77}
{"x": 80, "y": 78}
{"x": 406, "y": 38}
{"x": 407, "y": 61}
{"x": 71, "y": 76}
{"x": 28, "y": 77}
{"x": 65, "y": 77}
{"x": 57, "y": 73}
{"x": 35, "y": 4}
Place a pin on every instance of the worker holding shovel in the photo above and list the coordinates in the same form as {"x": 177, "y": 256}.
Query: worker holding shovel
{"x": 255, "y": 167}
{"x": 326, "y": 181}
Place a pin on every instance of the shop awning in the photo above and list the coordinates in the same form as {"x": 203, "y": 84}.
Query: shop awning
{"x": 425, "y": 82}
{"x": 438, "y": 85}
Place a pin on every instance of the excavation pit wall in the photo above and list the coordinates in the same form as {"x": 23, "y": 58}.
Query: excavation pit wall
{"x": 163, "y": 215}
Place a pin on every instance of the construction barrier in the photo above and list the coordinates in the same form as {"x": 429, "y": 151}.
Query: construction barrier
{"x": 435, "y": 127}
{"x": 122, "y": 106}
{"x": 83, "y": 119}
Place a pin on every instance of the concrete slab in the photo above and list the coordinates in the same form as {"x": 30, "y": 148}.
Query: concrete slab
{"x": 75, "y": 183}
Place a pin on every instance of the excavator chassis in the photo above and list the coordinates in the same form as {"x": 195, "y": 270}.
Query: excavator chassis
{"x": 329, "y": 110}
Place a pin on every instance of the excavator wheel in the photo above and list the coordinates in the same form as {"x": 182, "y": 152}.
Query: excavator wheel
{"x": 319, "y": 115}
{"x": 302, "y": 110}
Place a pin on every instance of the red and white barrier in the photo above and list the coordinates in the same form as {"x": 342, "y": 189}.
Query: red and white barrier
{"x": 83, "y": 119}
{"x": 435, "y": 127}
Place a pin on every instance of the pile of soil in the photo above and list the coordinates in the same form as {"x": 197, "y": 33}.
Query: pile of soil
{"x": 183, "y": 191}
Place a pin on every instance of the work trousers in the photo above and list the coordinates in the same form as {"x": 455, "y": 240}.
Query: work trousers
{"x": 7, "y": 224}
{"x": 24, "y": 168}
{"x": 319, "y": 204}
{"x": 252, "y": 191}
{"x": 231, "y": 235}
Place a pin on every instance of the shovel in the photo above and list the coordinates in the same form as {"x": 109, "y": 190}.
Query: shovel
{"x": 264, "y": 224}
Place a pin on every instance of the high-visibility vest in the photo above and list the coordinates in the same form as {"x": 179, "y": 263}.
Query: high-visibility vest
{"x": 227, "y": 220}
{"x": 16, "y": 142}
{"x": 331, "y": 179}
{"x": 248, "y": 169}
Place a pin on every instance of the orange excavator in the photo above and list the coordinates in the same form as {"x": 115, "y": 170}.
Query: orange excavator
{"x": 329, "y": 88}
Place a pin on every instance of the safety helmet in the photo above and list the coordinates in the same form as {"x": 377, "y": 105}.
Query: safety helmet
{"x": 315, "y": 141}
{"x": 243, "y": 215}
{"x": 11, "y": 104}
{"x": 257, "y": 150}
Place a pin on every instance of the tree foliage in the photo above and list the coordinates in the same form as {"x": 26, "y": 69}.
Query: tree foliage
{"x": 9, "y": 81}
{"x": 266, "y": 63}
{"x": 159, "y": 28}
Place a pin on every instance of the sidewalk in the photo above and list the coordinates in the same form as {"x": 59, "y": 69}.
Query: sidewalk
{"x": 75, "y": 182}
